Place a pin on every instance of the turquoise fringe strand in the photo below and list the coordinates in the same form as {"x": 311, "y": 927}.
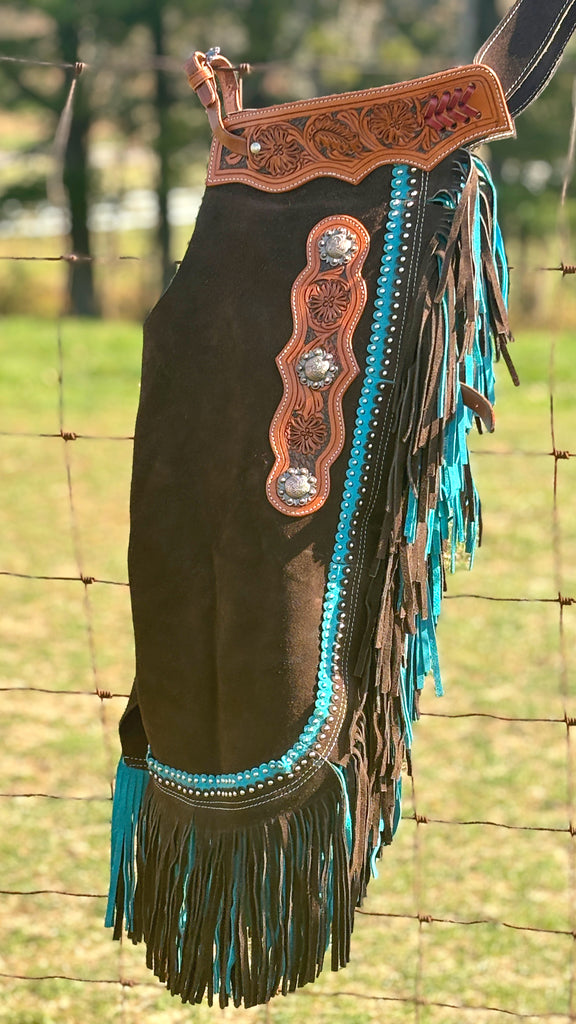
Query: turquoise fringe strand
{"x": 451, "y": 527}
{"x": 129, "y": 792}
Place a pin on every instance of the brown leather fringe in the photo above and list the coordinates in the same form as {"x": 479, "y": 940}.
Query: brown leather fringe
{"x": 398, "y": 592}
{"x": 241, "y": 913}
{"x": 257, "y": 905}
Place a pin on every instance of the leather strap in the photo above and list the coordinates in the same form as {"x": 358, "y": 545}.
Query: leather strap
{"x": 230, "y": 84}
{"x": 347, "y": 136}
{"x": 317, "y": 365}
{"x": 526, "y": 46}
{"x": 201, "y": 76}
{"x": 480, "y": 405}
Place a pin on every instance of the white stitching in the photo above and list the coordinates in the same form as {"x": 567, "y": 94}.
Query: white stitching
{"x": 285, "y": 109}
{"x": 387, "y": 419}
{"x": 347, "y": 343}
{"x": 538, "y": 88}
{"x": 380, "y": 160}
{"x": 528, "y": 68}
{"x": 481, "y": 53}
{"x": 316, "y": 764}
{"x": 536, "y": 57}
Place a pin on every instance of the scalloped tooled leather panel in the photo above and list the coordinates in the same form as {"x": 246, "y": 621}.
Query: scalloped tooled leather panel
{"x": 317, "y": 365}
{"x": 347, "y": 136}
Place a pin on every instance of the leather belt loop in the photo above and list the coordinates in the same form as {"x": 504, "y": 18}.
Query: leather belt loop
{"x": 230, "y": 84}
{"x": 200, "y": 72}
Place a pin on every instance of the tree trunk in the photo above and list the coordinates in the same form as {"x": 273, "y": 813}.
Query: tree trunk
{"x": 487, "y": 19}
{"x": 82, "y": 299}
{"x": 162, "y": 101}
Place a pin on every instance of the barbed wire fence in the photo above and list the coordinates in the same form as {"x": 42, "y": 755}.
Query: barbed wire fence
{"x": 86, "y": 576}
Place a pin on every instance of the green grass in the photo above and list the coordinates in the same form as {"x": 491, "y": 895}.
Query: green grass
{"x": 498, "y": 658}
{"x": 125, "y": 287}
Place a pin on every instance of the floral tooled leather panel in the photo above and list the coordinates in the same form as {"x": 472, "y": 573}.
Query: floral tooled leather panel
{"x": 347, "y": 136}
{"x": 317, "y": 365}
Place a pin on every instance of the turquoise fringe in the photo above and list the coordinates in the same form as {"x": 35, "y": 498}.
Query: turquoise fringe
{"x": 129, "y": 792}
{"x": 451, "y": 526}
{"x": 243, "y": 885}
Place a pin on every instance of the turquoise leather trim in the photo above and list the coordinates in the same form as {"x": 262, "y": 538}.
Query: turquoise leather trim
{"x": 375, "y": 381}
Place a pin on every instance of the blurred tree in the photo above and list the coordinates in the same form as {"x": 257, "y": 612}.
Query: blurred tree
{"x": 69, "y": 31}
{"x": 76, "y": 180}
{"x": 307, "y": 47}
{"x": 61, "y": 41}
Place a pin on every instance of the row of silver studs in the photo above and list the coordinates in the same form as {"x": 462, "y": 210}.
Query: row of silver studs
{"x": 384, "y": 330}
{"x": 301, "y": 760}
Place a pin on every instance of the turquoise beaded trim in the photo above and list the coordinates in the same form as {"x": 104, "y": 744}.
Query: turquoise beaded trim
{"x": 376, "y": 380}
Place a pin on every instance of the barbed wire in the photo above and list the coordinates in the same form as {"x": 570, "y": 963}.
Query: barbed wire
{"x": 173, "y": 65}
{"x": 422, "y": 1003}
{"x": 78, "y": 257}
{"x": 419, "y": 822}
{"x": 423, "y": 918}
{"x": 419, "y": 819}
{"x": 557, "y": 559}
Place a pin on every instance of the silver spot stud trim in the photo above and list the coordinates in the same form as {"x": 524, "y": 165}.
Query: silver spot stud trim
{"x": 317, "y": 369}
{"x": 337, "y": 246}
{"x": 297, "y": 486}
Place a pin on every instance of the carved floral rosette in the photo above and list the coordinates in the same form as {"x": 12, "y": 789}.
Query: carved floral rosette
{"x": 317, "y": 366}
{"x": 347, "y": 136}
{"x": 286, "y": 147}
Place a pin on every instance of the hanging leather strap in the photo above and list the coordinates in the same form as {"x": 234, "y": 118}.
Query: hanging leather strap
{"x": 526, "y": 46}
{"x": 202, "y": 71}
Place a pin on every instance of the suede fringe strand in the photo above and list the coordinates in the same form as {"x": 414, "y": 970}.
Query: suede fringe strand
{"x": 432, "y": 507}
{"x": 239, "y": 914}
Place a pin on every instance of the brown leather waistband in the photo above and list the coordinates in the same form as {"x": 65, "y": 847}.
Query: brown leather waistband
{"x": 347, "y": 136}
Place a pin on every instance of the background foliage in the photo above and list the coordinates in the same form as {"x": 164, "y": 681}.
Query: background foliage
{"x": 133, "y": 176}
{"x": 138, "y": 138}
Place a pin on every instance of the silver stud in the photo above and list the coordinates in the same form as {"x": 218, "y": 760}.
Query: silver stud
{"x": 337, "y": 246}
{"x": 255, "y": 147}
{"x": 317, "y": 369}
{"x": 297, "y": 486}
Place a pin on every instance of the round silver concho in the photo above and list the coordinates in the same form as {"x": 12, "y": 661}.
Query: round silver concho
{"x": 296, "y": 486}
{"x": 337, "y": 246}
{"x": 317, "y": 369}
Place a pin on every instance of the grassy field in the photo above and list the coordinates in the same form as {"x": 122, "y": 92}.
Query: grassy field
{"x": 499, "y": 659}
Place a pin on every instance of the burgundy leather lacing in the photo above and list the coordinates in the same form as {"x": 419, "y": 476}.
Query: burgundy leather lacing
{"x": 451, "y": 109}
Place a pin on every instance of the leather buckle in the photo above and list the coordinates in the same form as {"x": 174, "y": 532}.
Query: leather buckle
{"x": 201, "y": 70}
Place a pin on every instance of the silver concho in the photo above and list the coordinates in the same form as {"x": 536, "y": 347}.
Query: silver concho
{"x": 317, "y": 369}
{"x": 337, "y": 246}
{"x": 297, "y": 486}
